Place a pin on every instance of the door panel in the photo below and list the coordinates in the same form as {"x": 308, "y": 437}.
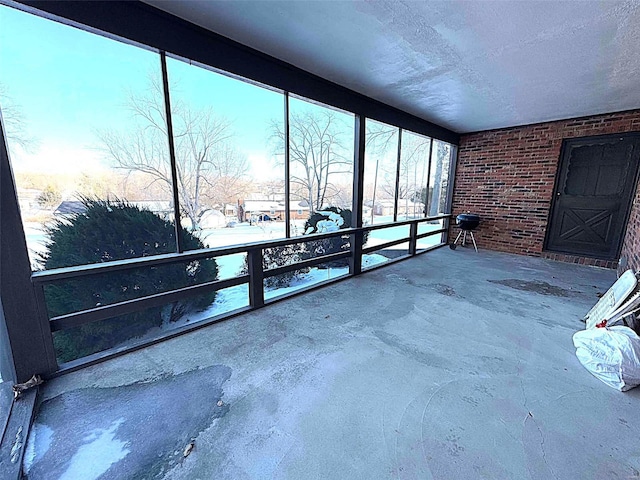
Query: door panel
{"x": 595, "y": 185}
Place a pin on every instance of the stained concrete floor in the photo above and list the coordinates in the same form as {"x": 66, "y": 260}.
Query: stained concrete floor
{"x": 451, "y": 365}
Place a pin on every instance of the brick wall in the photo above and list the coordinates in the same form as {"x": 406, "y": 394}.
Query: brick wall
{"x": 507, "y": 177}
{"x": 631, "y": 245}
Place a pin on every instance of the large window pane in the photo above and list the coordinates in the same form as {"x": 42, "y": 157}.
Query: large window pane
{"x": 85, "y": 117}
{"x": 321, "y": 142}
{"x": 429, "y": 242}
{"x": 385, "y": 235}
{"x": 372, "y": 259}
{"x": 230, "y": 155}
{"x": 439, "y": 179}
{"x": 414, "y": 163}
{"x": 380, "y": 172}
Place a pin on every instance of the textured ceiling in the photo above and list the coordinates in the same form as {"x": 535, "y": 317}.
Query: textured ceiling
{"x": 465, "y": 65}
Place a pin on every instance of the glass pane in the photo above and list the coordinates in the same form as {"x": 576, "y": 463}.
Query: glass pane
{"x": 428, "y": 242}
{"x": 290, "y": 282}
{"x": 414, "y": 163}
{"x": 380, "y": 169}
{"x": 370, "y": 260}
{"x": 321, "y": 143}
{"x": 126, "y": 330}
{"x": 230, "y": 153}
{"x": 74, "y": 295}
{"x": 429, "y": 226}
{"x": 384, "y": 235}
{"x": 86, "y": 124}
{"x": 439, "y": 181}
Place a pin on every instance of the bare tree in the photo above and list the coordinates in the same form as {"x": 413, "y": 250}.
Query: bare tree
{"x": 379, "y": 139}
{"x": 13, "y": 120}
{"x": 206, "y": 164}
{"x": 231, "y": 181}
{"x": 440, "y": 178}
{"x": 316, "y": 154}
{"x": 414, "y": 163}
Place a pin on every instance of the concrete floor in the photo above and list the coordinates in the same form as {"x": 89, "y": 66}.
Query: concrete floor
{"x": 452, "y": 365}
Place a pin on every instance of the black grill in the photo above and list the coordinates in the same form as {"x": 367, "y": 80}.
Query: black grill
{"x": 467, "y": 223}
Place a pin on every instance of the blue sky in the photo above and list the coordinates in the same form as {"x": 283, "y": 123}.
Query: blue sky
{"x": 70, "y": 83}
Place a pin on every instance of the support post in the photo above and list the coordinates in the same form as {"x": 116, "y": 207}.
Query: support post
{"x": 256, "y": 278}
{"x": 172, "y": 155}
{"x": 287, "y": 189}
{"x": 397, "y": 192}
{"x": 453, "y": 161}
{"x": 413, "y": 241}
{"x": 27, "y": 325}
{"x": 427, "y": 200}
{"x": 356, "y": 240}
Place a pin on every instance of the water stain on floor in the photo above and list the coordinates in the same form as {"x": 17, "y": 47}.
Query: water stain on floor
{"x": 536, "y": 286}
{"x": 446, "y": 290}
{"x": 133, "y": 431}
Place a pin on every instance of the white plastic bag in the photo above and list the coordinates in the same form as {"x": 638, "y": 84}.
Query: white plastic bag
{"x": 611, "y": 354}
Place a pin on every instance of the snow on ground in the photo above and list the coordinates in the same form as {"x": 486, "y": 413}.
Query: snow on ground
{"x": 100, "y": 450}
{"x": 96, "y": 456}
{"x": 38, "y": 443}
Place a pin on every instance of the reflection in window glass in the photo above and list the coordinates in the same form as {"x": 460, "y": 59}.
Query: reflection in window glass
{"x": 429, "y": 242}
{"x": 370, "y": 260}
{"x": 85, "y": 121}
{"x": 291, "y": 282}
{"x": 321, "y": 142}
{"x": 229, "y": 155}
{"x": 429, "y": 226}
{"x": 439, "y": 180}
{"x": 385, "y": 235}
{"x": 380, "y": 171}
{"x": 414, "y": 163}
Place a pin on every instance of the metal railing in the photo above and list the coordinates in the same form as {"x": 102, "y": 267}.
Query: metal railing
{"x": 254, "y": 278}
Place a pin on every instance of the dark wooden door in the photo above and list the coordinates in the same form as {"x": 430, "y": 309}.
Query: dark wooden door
{"x": 593, "y": 195}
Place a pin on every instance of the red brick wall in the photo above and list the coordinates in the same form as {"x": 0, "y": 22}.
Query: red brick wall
{"x": 631, "y": 244}
{"x": 507, "y": 177}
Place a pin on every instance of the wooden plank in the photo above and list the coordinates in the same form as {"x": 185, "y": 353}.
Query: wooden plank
{"x": 611, "y": 300}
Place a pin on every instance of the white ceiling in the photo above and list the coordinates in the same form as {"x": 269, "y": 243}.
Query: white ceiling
{"x": 465, "y": 65}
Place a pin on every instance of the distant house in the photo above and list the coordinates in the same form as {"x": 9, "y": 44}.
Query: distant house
{"x": 70, "y": 207}
{"x": 405, "y": 207}
{"x": 162, "y": 208}
{"x": 274, "y": 209}
{"x": 230, "y": 210}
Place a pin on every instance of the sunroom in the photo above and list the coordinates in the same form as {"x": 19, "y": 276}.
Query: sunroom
{"x": 190, "y": 197}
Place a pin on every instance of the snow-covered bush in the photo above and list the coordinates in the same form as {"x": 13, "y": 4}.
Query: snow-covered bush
{"x": 330, "y": 219}
{"x": 275, "y": 257}
{"x": 108, "y": 231}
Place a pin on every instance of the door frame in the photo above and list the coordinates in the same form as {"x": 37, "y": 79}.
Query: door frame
{"x": 584, "y": 141}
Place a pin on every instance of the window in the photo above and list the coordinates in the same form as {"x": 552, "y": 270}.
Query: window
{"x": 439, "y": 178}
{"x": 83, "y": 141}
{"x": 229, "y": 154}
{"x": 412, "y": 185}
{"x": 321, "y": 141}
{"x": 380, "y": 172}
